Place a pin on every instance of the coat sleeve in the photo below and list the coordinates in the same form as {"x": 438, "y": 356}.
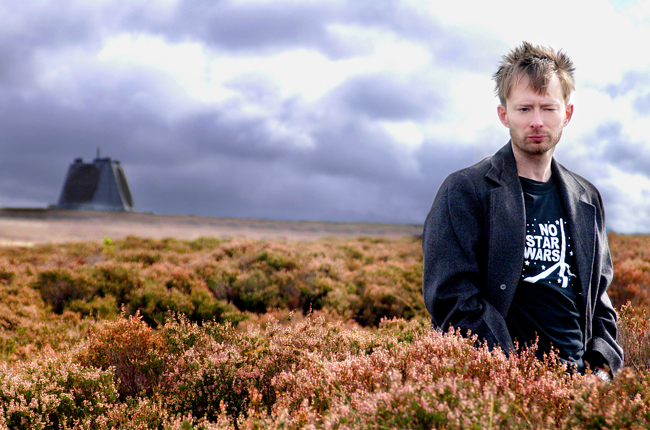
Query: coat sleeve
{"x": 455, "y": 258}
{"x": 602, "y": 348}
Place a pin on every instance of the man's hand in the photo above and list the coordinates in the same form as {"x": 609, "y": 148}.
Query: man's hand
{"x": 602, "y": 374}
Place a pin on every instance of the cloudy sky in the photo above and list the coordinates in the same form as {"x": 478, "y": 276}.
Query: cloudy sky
{"x": 307, "y": 109}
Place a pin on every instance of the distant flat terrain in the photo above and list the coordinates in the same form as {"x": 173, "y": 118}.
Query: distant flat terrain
{"x": 32, "y": 226}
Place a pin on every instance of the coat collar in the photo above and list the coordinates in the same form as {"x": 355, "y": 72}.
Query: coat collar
{"x": 508, "y": 205}
{"x": 503, "y": 168}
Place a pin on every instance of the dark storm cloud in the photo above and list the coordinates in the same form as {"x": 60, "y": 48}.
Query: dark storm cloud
{"x": 354, "y": 149}
{"x": 223, "y": 160}
{"x": 258, "y": 28}
{"x": 244, "y": 28}
{"x": 214, "y": 133}
{"x": 619, "y": 150}
{"x": 210, "y": 164}
{"x": 40, "y": 136}
{"x": 353, "y": 170}
{"x": 382, "y": 96}
{"x": 609, "y": 146}
{"x": 36, "y": 30}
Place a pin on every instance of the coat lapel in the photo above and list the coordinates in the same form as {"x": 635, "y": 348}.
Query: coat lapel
{"x": 507, "y": 231}
{"x": 581, "y": 217}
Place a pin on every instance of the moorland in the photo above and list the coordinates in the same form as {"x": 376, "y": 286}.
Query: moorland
{"x": 238, "y": 332}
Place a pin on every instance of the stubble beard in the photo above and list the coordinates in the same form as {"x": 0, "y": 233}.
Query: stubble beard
{"x": 530, "y": 148}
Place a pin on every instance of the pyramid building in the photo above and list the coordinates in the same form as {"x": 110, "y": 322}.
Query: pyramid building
{"x": 100, "y": 185}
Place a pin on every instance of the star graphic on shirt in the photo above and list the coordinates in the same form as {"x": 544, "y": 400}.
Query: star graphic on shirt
{"x": 527, "y": 263}
{"x": 543, "y": 267}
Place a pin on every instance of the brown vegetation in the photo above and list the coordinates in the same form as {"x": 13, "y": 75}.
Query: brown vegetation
{"x": 221, "y": 334}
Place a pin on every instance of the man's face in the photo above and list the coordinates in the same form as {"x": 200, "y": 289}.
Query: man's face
{"x": 535, "y": 120}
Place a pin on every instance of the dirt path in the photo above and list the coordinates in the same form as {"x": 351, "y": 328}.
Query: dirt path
{"x": 28, "y": 227}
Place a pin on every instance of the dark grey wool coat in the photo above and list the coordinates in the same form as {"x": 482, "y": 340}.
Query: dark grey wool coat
{"x": 473, "y": 243}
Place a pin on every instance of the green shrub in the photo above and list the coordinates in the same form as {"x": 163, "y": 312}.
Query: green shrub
{"x": 146, "y": 258}
{"x": 207, "y": 308}
{"x": 205, "y": 243}
{"x": 99, "y": 307}
{"x": 277, "y": 261}
{"x": 154, "y": 302}
{"x": 118, "y": 280}
{"x": 252, "y": 291}
{"x": 60, "y": 286}
{"x": 6, "y": 276}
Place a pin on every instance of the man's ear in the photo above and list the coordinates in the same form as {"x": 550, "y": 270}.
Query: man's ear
{"x": 568, "y": 113}
{"x": 503, "y": 115}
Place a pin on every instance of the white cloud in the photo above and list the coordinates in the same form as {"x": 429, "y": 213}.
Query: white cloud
{"x": 405, "y": 132}
{"x": 365, "y": 88}
{"x": 185, "y": 63}
{"x": 630, "y": 211}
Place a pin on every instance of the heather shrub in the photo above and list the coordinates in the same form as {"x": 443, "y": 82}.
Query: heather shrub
{"x": 117, "y": 280}
{"x": 275, "y": 260}
{"x": 631, "y": 283}
{"x": 154, "y": 301}
{"x": 133, "y": 350}
{"x": 305, "y": 292}
{"x": 142, "y": 243}
{"x": 377, "y": 302}
{"x": 252, "y": 291}
{"x": 182, "y": 279}
{"x": 98, "y": 307}
{"x": 622, "y": 404}
{"x": 437, "y": 380}
{"x": 53, "y": 394}
{"x": 6, "y": 276}
{"x": 145, "y": 258}
{"x": 177, "y": 358}
{"x": 634, "y": 337}
{"x": 314, "y": 374}
{"x": 206, "y": 243}
{"x": 59, "y": 286}
{"x": 217, "y": 369}
{"x": 363, "y": 280}
{"x": 144, "y": 414}
{"x": 631, "y": 261}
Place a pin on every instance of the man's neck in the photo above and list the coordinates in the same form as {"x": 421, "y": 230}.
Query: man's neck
{"x": 534, "y": 166}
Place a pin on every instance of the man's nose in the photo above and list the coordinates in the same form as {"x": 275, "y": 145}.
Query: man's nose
{"x": 537, "y": 119}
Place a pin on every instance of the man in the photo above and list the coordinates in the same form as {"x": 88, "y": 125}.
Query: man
{"x": 515, "y": 247}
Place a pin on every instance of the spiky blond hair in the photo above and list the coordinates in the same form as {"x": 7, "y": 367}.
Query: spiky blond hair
{"x": 539, "y": 63}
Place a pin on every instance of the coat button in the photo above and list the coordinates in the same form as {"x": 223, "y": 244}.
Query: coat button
{"x": 502, "y": 286}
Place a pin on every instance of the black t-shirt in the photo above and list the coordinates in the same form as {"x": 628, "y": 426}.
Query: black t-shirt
{"x": 546, "y": 303}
